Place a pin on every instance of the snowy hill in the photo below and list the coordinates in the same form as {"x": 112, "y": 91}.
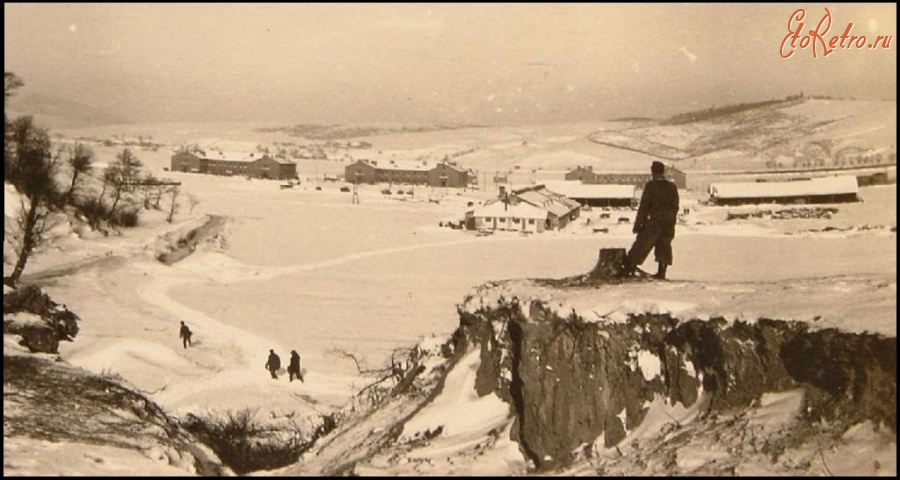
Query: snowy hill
{"x": 786, "y": 134}
{"x": 60, "y": 420}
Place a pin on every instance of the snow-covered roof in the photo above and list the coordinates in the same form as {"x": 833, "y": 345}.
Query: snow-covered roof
{"x": 452, "y": 166}
{"x": 283, "y": 161}
{"x": 542, "y": 197}
{"x": 401, "y": 165}
{"x": 521, "y": 210}
{"x": 837, "y": 185}
{"x": 235, "y": 156}
{"x": 582, "y": 190}
{"x": 232, "y": 156}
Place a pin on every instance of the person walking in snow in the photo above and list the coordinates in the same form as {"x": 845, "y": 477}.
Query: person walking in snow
{"x": 294, "y": 367}
{"x": 654, "y": 223}
{"x": 185, "y": 335}
{"x": 273, "y": 363}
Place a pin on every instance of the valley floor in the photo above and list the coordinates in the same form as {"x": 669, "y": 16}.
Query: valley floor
{"x": 307, "y": 270}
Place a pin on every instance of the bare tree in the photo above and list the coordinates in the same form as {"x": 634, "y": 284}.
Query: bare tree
{"x": 10, "y": 83}
{"x": 33, "y": 169}
{"x": 113, "y": 178}
{"x": 82, "y": 161}
{"x": 392, "y": 379}
{"x": 121, "y": 175}
{"x": 130, "y": 167}
{"x": 151, "y": 185}
{"x": 193, "y": 200}
{"x": 173, "y": 208}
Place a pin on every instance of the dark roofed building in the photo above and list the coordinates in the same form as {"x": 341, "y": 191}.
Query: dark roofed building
{"x": 219, "y": 163}
{"x": 586, "y": 174}
{"x": 443, "y": 174}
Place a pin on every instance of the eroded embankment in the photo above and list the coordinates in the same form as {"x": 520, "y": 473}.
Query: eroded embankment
{"x": 186, "y": 244}
{"x": 51, "y": 401}
{"x": 573, "y": 382}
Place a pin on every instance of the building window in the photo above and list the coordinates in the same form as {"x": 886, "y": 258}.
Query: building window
{"x": 487, "y": 219}
{"x": 516, "y": 220}
{"x": 531, "y": 221}
{"x": 502, "y": 220}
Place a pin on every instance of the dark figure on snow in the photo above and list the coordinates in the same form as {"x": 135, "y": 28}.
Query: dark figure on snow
{"x": 185, "y": 334}
{"x": 294, "y": 367}
{"x": 273, "y": 363}
{"x": 654, "y": 223}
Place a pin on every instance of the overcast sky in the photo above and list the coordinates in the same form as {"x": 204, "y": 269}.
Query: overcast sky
{"x": 436, "y": 63}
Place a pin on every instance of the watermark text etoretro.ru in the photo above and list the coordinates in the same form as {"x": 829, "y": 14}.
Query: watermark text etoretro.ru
{"x": 815, "y": 38}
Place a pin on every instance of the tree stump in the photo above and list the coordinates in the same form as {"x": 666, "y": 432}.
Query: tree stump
{"x": 609, "y": 263}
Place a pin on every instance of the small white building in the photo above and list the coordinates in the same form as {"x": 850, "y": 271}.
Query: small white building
{"x": 499, "y": 215}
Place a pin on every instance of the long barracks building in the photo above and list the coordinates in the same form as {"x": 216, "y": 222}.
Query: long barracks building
{"x": 444, "y": 174}
{"x": 249, "y": 165}
{"x": 588, "y": 176}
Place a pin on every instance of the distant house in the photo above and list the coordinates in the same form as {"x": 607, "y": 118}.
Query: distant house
{"x": 221, "y": 163}
{"x": 560, "y": 209}
{"x": 444, "y": 174}
{"x": 586, "y": 174}
{"x": 836, "y": 189}
{"x": 595, "y": 195}
{"x": 582, "y": 174}
{"x": 501, "y": 215}
{"x": 879, "y": 178}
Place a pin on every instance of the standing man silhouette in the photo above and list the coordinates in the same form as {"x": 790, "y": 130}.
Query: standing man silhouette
{"x": 294, "y": 369}
{"x": 654, "y": 223}
{"x": 273, "y": 363}
{"x": 185, "y": 335}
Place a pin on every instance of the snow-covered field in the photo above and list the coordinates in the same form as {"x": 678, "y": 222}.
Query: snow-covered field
{"x": 307, "y": 269}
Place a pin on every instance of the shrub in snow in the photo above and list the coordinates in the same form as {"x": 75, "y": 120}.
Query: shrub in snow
{"x": 246, "y": 445}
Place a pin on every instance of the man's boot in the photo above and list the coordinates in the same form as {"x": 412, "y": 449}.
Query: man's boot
{"x": 627, "y": 268}
{"x": 661, "y": 272}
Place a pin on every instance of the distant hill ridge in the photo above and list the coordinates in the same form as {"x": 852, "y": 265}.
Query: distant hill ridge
{"x": 55, "y": 112}
{"x": 794, "y": 132}
{"x": 338, "y": 131}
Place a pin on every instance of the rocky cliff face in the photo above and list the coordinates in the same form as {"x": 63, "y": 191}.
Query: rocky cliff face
{"x": 573, "y": 381}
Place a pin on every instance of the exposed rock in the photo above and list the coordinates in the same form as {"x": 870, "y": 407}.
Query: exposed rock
{"x": 37, "y": 338}
{"x": 56, "y": 321}
{"x": 572, "y": 382}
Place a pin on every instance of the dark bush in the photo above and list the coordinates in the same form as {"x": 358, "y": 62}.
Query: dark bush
{"x": 93, "y": 210}
{"x": 124, "y": 218}
{"x": 246, "y": 446}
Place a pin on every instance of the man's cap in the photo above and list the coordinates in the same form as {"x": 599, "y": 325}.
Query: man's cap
{"x": 657, "y": 168}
